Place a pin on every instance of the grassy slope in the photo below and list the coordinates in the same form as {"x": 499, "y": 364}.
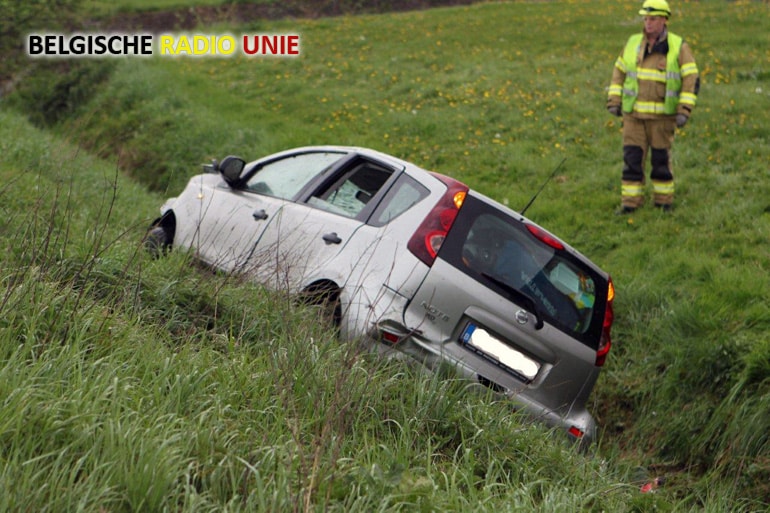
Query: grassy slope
{"x": 105, "y": 7}
{"x": 496, "y": 95}
{"x": 138, "y": 385}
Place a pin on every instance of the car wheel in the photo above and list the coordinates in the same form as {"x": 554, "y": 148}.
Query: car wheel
{"x": 327, "y": 299}
{"x": 157, "y": 241}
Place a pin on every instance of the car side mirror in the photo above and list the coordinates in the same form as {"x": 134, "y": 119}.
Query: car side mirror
{"x": 211, "y": 168}
{"x": 230, "y": 168}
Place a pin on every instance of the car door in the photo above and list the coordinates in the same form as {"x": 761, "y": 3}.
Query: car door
{"x": 306, "y": 234}
{"x": 234, "y": 219}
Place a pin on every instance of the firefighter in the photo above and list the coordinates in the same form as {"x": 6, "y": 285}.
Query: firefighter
{"x": 654, "y": 87}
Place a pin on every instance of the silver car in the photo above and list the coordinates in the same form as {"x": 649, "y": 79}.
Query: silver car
{"x": 412, "y": 262}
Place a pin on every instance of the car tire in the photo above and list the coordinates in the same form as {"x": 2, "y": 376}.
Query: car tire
{"x": 327, "y": 300}
{"x": 157, "y": 241}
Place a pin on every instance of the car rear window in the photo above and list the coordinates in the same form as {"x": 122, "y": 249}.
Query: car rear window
{"x": 499, "y": 252}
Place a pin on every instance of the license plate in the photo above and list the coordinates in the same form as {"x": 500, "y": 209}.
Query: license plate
{"x": 487, "y": 345}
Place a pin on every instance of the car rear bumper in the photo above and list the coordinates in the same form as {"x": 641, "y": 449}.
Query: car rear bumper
{"x": 574, "y": 421}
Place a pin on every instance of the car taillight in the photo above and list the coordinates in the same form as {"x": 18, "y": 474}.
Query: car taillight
{"x": 427, "y": 240}
{"x": 605, "y": 342}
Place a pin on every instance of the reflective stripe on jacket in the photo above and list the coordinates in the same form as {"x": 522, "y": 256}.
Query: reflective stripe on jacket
{"x": 671, "y": 77}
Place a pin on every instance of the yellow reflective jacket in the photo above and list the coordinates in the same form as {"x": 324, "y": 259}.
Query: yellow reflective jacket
{"x": 663, "y": 81}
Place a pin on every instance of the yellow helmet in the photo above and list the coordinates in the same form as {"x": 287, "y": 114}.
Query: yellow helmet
{"x": 655, "y": 8}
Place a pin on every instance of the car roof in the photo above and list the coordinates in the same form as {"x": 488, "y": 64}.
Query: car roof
{"x": 366, "y": 152}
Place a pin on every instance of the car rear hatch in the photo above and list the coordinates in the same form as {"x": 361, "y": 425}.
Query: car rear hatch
{"x": 515, "y": 308}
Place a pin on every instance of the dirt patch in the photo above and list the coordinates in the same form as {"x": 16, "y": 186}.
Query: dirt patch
{"x": 194, "y": 17}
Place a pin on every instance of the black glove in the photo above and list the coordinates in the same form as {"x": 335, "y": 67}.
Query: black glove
{"x": 681, "y": 120}
{"x": 614, "y": 110}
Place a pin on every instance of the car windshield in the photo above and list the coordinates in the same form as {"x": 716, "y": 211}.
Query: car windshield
{"x": 286, "y": 177}
{"x": 500, "y": 252}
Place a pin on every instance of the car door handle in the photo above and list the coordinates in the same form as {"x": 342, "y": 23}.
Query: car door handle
{"x": 332, "y": 238}
{"x": 259, "y": 215}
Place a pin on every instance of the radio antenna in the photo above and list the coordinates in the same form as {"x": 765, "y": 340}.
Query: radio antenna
{"x": 553, "y": 173}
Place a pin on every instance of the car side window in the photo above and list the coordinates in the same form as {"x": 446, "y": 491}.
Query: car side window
{"x": 404, "y": 194}
{"x": 351, "y": 192}
{"x": 286, "y": 177}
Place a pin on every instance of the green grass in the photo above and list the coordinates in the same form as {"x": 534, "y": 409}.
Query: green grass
{"x": 103, "y": 7}
{"x": 310, "y": 8}
{"x": 158, "y": 382}
{"x": 137, "y": 385}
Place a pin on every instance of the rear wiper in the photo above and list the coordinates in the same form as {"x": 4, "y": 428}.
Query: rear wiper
{"x": 519, "y": 297}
